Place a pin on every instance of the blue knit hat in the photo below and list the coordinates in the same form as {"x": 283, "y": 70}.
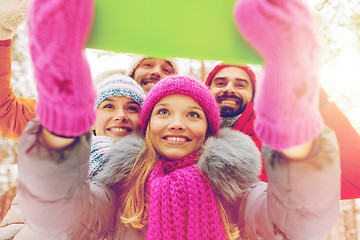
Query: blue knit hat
{"x": 119, "y": 85}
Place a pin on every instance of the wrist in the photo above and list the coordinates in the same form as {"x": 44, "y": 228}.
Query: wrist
{"x": 54, "y": 141}
{"x": 298, "y": 152}
{"x": 5, "y": 34}
{"x": 6, "y": 42}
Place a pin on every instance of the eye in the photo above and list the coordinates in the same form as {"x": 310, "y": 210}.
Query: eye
{"x": 220, "y": 83}
{"x": 193, "y": 115}
{"x": 239, "y": 85}
{"x": 109, "y": 106}
{"x": 133, "y": 109}
{"x": 167, "y": 71}
{"x": 163, "y": 111}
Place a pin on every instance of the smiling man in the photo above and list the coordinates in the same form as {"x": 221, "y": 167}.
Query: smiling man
{"x": 233, "y": 87}
{"x": 147, "y": 71}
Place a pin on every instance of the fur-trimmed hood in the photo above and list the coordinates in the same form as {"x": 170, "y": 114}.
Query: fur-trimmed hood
{"x": 231, "y": 161}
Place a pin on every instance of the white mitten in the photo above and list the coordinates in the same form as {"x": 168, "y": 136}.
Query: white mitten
{"x": 12, "y": 13}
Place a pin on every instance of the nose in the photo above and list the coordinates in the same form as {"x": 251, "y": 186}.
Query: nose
{"x": 177, "y": 123}
{"x": 156, "y": 72}
{"x": 229, "y": 88}
{"x": 120, "y": 116}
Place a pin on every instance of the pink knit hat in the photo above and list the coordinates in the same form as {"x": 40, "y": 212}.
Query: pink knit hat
{"x": 185, "y": 86}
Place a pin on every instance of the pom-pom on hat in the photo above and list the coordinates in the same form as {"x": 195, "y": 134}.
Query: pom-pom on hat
{"x": 185, "y": 86}
{"x": 119, "y": 85}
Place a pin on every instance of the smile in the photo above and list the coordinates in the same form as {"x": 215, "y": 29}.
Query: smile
{"x": 150, "y": 84}
{"x": 227, "y": 101}
{"x": 120, "y": 129}
{"x": 176, "y": 139}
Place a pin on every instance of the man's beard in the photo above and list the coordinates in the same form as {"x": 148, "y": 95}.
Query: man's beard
{"x": 231, "y": 112}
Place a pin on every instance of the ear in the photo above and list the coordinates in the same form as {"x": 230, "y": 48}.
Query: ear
{"x": 93, "y": 130}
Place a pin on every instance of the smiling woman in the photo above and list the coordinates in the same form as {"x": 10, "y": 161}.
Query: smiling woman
{"x": 177, "y": 130}
{"x": 118, "y": 106}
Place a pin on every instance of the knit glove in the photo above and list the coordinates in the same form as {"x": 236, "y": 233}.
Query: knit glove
{"x": 58, "y": 30}
{"x": 286, "y": 100}
{"x": 12, "y": 13}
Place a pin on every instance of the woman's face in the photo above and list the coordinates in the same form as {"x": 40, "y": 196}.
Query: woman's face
{"x": 177, "y": 126}
{"x": 117, "y": 117}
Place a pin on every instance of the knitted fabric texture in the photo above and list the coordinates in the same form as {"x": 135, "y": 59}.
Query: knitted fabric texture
{"x": 185, "y": 86}
{"x": 66, "y": 96}
{"x": 119, "y": 85}
{"x": 286, "y": 35}
{"x": 12, "y": 13}
{"x": 220, "y": 66}
{"x": 229, "y": 122}
{"x": 137, "y": 59}
{"x": 100, "y": 146}
{"x": 182, "y": 204}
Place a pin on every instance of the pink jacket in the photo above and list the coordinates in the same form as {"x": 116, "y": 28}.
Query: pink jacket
{"x": 300, "y": 201}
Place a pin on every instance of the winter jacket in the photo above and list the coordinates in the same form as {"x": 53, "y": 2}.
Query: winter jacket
{"x": 13, "y": 225}
{"x": 349, "y": 144}
{"x": 15, "y": 112}
{"x": 245, "y": 124}
{"x": 301, "y": 200}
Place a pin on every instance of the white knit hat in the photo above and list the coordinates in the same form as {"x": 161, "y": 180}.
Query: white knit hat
{"x": 137, "y": 59}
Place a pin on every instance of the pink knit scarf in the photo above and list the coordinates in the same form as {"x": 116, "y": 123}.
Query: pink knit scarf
{"x": 182, "y": 204}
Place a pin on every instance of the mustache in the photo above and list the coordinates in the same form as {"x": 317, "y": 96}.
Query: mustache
{"x": 151, "y": 79}
{"x": 225, "y": 95}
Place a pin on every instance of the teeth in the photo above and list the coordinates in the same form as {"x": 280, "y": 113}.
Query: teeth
{"x": 118, "y": 129}
{"x": 176, "y": 139}
{"x": 151, "y": 84}
{"x": 229, "y": 102}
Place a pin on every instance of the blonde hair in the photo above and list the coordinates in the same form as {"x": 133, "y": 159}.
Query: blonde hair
{"x": 231, "y": 230}
{"x": 135, "y": 210}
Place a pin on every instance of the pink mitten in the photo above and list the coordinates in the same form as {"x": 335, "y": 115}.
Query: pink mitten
{"x": 286, "y": 100}
{"x": 58, "y": 30}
